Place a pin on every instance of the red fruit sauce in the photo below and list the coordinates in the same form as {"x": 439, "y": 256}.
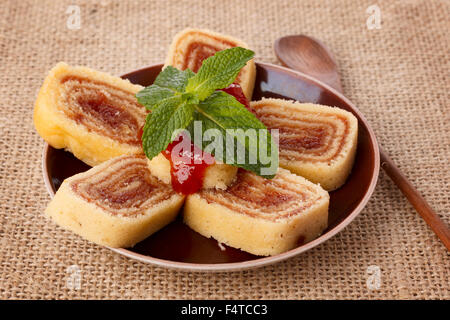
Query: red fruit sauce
{"x": 187, "y": 167}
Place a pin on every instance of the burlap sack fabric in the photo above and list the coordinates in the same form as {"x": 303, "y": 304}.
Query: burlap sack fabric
{"x": 396, "y": 75}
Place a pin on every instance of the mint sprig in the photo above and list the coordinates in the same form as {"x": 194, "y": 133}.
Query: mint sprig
{"x": 177, "y": 98}
{"x": 173, "y": 78}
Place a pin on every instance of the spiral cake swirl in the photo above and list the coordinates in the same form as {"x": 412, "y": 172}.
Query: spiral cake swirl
{"x": 125, "y": 188}
{"x": 101, "y": 108}
{"x": 272, "y": 200}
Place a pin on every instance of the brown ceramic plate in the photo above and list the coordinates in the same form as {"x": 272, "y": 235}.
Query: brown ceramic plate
{"x": 177, "y": 246}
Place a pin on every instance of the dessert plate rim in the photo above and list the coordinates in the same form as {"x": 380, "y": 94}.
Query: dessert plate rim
{"x": 263, "y": 261}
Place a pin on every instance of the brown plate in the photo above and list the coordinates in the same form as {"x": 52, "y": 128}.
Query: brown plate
{"x": 177, "y": 246}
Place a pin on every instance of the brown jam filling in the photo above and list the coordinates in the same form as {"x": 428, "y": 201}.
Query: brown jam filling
{"x": 99, "y": 107}
{"x": 308, "y": 138}
{"x": 119, "y": 194}
{"x": 266, "y": 196}
{"x": 127, "y": 190}
{"x": 196, "y": 52}
{"x": 261, "y": 198}
{"x": 104, "y": 109}
{"x": 314, "y": 139}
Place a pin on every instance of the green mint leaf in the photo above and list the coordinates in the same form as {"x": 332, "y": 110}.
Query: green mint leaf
{"x": 168, "y": 83}
{"x": 150, "y": 96}
{"x": 218, "y": 71}
{"x": 190, "y": 98}
{"x": 223, "y": 112}
{"x": 166, "y": 119}
{"x": 173, "y": 78}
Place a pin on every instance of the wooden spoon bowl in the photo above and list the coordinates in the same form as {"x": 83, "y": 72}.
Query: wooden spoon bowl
{"x": 313, "y": 56}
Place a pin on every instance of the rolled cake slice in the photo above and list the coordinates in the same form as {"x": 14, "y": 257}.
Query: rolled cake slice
{"x": 92, "y": 114}
{"x": 260, "y": 216}
{"x": 217, "y": 175}
{"x": 315, "y": 141}
{"x": 117, "y": 203}
{"x": 191, "y": 46}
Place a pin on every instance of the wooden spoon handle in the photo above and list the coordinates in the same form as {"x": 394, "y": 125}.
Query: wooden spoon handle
{"x": 415, "y": 198}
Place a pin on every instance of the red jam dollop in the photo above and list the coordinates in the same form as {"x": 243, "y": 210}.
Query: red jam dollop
{"x": 188, "y": 163}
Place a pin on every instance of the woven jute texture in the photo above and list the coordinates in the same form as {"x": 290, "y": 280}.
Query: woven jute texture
{"x": 397, "y": 75}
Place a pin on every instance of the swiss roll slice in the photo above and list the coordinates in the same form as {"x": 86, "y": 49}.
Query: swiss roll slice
{"x": 117, "y": 203}
{"x": 260, "y": 216}
{"x": 315, "y": 141}
{"x": 191, "y": 46}
{"x": 89, "y": 113}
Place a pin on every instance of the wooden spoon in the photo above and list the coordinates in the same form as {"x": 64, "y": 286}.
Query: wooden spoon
{"x": 310, "y": 56}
